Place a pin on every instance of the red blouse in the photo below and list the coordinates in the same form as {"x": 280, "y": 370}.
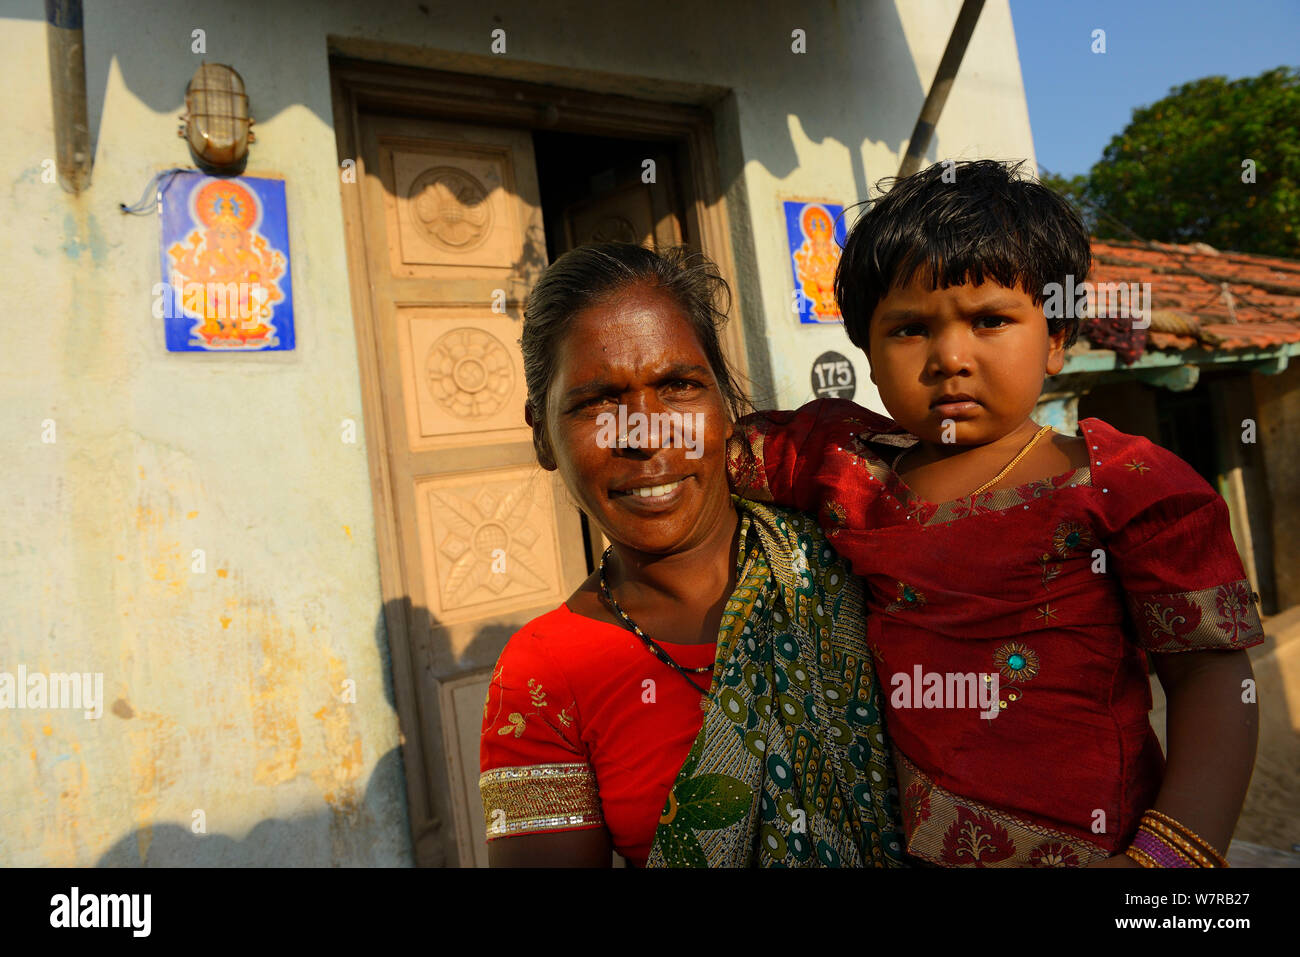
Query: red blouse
{"x": 1057, "y": 588}
{"x": 584, "y": 727}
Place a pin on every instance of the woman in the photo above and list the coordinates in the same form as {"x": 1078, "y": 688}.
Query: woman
{"x": 705, "y": 697}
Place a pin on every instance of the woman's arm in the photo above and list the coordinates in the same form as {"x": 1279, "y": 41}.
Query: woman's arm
{"x": 534, "y": 768}
{"x": 590, "y": 847}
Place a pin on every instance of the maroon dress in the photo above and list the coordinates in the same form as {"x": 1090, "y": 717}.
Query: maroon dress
{"x": 1051, "y": 593}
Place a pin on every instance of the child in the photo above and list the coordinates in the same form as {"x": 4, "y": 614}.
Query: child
{"x": 1044, "y": 566}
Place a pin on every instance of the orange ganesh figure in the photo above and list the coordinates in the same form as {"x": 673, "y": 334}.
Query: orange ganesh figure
{"x": 815, "y": 263}
{"x": 235, "y": 270}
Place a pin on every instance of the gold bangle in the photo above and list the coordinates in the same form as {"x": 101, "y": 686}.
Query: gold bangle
{"x": 1190, "y": 835}
{"x": 1142, "y": 857}
{"x": 1180, "y": 848}
{"x": 1176, "y": 840}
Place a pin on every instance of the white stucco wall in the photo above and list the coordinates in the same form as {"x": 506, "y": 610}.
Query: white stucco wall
{"x": 839, "y": 143}
{"x": 223, "y": 689}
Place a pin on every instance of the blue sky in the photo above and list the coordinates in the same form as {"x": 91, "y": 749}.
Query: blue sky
{"x": 1078, "y": 99}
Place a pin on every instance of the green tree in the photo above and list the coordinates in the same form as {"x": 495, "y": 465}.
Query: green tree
{"x": 1179, "y": 171}
{"x": 1074, "y": 189}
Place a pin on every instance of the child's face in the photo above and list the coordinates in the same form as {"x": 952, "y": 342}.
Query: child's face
{"x": 988, "y": 343}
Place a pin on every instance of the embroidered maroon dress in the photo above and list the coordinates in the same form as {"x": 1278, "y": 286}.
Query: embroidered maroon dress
{"x": 1058, "y": 587}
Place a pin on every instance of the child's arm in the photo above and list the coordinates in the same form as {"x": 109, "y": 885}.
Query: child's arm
{"x": 1211, "y": 729}
{"x": 1193, "y": 611}
{"x": 790, "y": 457}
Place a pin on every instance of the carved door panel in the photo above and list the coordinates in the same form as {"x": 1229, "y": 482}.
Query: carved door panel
{"x": 488, "y": 540}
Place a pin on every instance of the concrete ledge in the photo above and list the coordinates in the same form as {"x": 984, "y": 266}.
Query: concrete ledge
{"x": 1245, "y": 854}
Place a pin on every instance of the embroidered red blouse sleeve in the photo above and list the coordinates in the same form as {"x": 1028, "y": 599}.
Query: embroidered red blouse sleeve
{"x": 535, "y": 775}
{"x": 783, "y": 457}
{"x": 1172, "y": 548}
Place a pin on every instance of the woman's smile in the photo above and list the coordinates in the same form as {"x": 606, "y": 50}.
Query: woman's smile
{"x": 652, "y": 498}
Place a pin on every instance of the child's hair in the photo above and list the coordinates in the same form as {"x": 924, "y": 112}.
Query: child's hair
{"x": 971, "y": 221}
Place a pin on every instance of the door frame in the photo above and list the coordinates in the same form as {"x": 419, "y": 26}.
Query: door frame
{"x": 359, "y": 86}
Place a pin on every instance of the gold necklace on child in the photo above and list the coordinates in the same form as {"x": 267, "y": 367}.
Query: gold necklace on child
{"x": 1001, "y": 475}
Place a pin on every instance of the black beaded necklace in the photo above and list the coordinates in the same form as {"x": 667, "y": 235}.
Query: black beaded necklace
{"x": 653, "y": 648}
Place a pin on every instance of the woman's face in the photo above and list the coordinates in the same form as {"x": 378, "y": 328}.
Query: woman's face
{"x": 636, "y": 350}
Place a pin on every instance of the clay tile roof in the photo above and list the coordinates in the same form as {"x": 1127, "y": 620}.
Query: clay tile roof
{"x": 1259, "y": 306}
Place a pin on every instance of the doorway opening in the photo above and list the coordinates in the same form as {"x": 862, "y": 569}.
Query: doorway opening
{"x": 601, "y": 189}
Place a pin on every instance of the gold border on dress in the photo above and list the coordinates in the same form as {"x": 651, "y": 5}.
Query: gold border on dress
{"x": 539, "y": 797}
{"x": 972, "y": 824}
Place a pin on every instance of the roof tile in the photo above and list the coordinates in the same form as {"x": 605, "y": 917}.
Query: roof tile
{"x": 1202, "y": 296}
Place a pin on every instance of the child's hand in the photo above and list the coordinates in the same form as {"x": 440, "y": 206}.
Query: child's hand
{"x": 1119, "y": 860}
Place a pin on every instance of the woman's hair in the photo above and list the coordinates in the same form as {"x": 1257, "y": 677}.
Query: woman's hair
{"x": 973, "y": 221}
{"x": 592, "y": 274}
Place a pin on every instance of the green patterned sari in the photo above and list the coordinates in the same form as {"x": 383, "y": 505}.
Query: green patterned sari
{"x": 791, "y": 767}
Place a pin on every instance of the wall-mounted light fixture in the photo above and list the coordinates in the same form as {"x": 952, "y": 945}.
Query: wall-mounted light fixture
{"x": 216, "y": 123}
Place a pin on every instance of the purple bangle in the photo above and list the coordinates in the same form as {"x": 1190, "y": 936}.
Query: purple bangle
{"x": 1160, "y": 852}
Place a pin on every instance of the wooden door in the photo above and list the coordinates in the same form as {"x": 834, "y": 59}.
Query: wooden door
{"x": 487, "y": 540}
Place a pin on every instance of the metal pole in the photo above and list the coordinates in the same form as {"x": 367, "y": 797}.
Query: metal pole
{"x": 923, "y": 132}
{"x": 68, "y": 89}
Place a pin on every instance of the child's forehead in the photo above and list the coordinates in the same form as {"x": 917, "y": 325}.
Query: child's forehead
{"x": 921, "y": 290}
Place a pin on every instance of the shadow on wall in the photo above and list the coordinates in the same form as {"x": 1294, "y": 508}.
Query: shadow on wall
{"x": 370, "y": 831}
{"x": 325, "y": 839}
{"x": 857, "y": 85}
{"x": 452, "y": 778}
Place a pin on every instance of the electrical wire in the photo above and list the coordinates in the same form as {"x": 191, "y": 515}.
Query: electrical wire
{"x": 144, "y": 206}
